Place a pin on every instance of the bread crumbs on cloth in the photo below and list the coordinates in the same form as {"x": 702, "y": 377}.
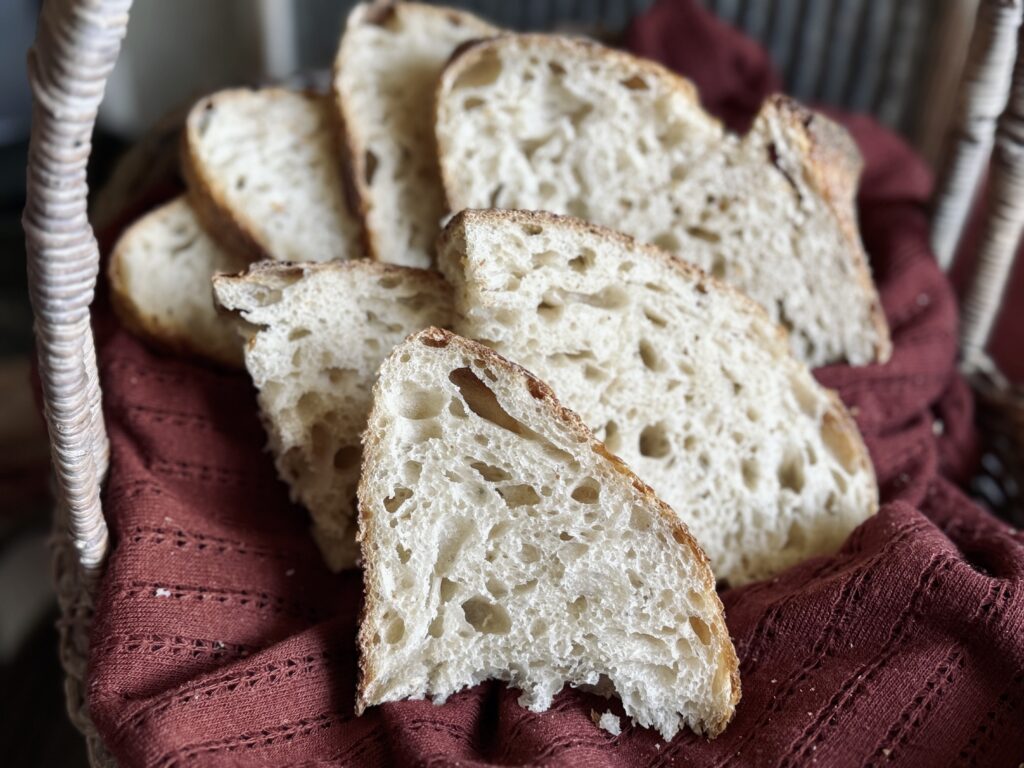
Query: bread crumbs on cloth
{"x": 609, "y": 721}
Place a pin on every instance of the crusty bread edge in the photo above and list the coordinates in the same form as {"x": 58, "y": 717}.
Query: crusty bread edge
{"x": 837, "y": 411}
{"x": 833, "y": 166}
{"x": 373, "y": 447}
{"x": 351, "y": 141}
{"x": 137, "y": 320}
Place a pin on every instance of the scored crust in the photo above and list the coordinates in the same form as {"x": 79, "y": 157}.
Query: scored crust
{"x": 373, "y": 451}
{"x": 831, "y": 161}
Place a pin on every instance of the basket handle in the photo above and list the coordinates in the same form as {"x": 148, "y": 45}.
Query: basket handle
{"x": 76, "y": 45}
{"x": 989, "y": 124}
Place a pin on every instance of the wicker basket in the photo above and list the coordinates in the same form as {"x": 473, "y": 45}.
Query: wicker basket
{"x": 77, "y": 45}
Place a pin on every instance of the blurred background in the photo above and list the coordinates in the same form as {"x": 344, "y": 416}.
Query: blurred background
{"x": 896, "y": 59}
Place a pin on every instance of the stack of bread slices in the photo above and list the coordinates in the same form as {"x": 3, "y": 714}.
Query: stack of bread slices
{"x": 531, "y": 336}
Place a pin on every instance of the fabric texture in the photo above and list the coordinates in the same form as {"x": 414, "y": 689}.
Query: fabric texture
{"x": 220, "y": 638}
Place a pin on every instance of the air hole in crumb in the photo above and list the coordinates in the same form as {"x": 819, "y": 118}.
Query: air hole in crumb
{"x": 398, "y": 497}
{"x": 395, "y": 631}
{"x": 403, "y": 554}
{"x": 751, "y": 473}
{"x": 577, "y": 607}
{"x": 583, "y": 262}
{"x": 532, "y": 229}
{"x": 612, "y": 438}
{"x": 529, "y": 553}
{"x": 587, "y": 492}
{"x": 455, "y": 409}
{"x": 791, "y": 470}
{"x": 482, "y": 401}
{"x": 840, "y": 480}
{"x": 650, "y": 357}
{"x": 635, "y": 83}
{"x": 369, "y": 166}
{"x": 497, "y": 588}
{"x": 539, "y": 628}
{"x": 521, "y": 495}
{"x": 640, "y": 519}
{"x": 298, "y": 333}
{"x": 718, "y": 267}
{"x": 556, "y": 69}
{"x": 473, "y": 102}
{"x": 700, "y": 629}
{"x": 436, "y": 628}
{"x": 655, "y": 318}
{"x": 448, "y": 590}
{"x": 484, "y": 71}
{"x": 654, "y": 441}
{"x": 486, "y": 617}
{"x": 489, "y": 473}
{"x": 418, "y": 404}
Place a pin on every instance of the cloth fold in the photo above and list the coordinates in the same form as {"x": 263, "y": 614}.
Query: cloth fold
{"x": 220, "y": 638}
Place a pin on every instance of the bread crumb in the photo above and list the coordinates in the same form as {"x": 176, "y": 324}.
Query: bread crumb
{"x": 610, "y": 722}
{"x": 163, "y": 592}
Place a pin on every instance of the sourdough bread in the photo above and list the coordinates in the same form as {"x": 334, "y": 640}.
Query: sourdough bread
{"x": 159, "y": 276}
{"x": 316, "y": 334}
{"x": 683, "y": 377}
{"x": 501, "y": 540}
{"x": 264, "y": 175}
{"x": 385, "y": 74}
{"x": 548, "y": 123}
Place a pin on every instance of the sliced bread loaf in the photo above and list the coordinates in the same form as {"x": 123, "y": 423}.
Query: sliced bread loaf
{"x": 683, "y": 377}
{"x": 316, "y": 336}
{"x": 385, "y": 75}
{"x": 264, "y": 175}
{"x": 549, "y": 123}
{"x": 501, "y": 540}
{"x": 159, "y": 276}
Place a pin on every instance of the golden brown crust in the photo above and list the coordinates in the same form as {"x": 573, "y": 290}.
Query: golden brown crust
{"x": 353, "y": 145}
{"x": 145, "y": 325}
{"x": 832, "y": 165}
{"x": 539, "y": 390}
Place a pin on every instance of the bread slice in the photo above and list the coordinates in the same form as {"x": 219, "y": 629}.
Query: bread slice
{"x": 501, "y": 540}
{"x": 263, "y": 172}
{"x": 390, "y": 58}
{"x": 316, "y": 336}
{"x": 159, "y": 275}
{"x": 683, "y": 377}
{"x": 549, "y": 123}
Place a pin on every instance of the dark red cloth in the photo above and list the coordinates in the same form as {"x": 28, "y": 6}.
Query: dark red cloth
{"x": 220, "y": 639}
